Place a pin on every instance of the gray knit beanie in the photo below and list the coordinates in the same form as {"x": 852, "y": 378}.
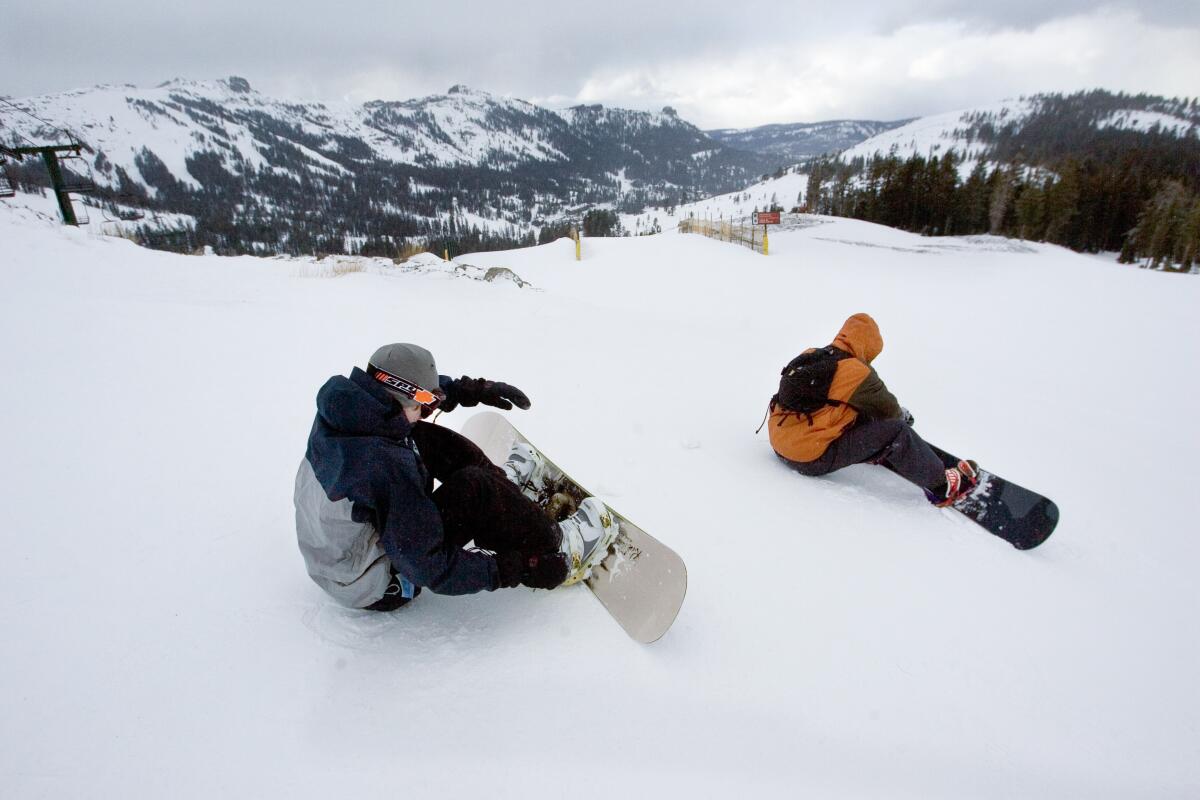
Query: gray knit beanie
{"x": 409, "y": 361}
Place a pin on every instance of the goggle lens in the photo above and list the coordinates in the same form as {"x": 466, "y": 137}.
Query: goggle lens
{"x": 429, "y": 400}
{"x": 428, "y": 408}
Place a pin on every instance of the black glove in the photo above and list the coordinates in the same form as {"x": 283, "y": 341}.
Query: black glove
{"x": 538, "y": 571}
{"x": 473, "y": 391}
{"x": 907, "y": 416}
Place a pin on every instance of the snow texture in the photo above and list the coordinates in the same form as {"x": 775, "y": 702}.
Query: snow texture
{"x": 841, "y": 638}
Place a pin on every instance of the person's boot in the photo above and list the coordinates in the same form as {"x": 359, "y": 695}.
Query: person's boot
{"x": 960, "y": 480}
{"x": 587, "y": 535}
{"x": 526, "y": 468}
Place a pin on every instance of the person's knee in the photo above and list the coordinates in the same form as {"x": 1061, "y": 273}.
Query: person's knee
{"x": 474, "y": 478}
{"x": 884, "y": 434}
{"x": 474, "y": 473}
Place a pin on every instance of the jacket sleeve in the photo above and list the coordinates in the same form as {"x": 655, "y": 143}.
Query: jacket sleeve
{"x": 410, "y": 530}
{"x": 873, "y": 400}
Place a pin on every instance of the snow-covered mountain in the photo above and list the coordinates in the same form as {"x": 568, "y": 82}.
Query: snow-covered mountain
{"x": 1032, "y": 129}
{"x": 802, "y": 140}
{"x": 270, "y": 174}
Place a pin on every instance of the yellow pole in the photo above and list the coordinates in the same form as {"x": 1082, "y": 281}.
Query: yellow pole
{"x": 766, "y": 245}
{"x": 446, "y": 254}
{"x": 578, "y": 247}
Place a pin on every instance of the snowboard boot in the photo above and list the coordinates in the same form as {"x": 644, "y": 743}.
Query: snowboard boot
{"x": 526, "y": 468}
{"x": 960, "y": 480}
{"x": 587, "y": 535}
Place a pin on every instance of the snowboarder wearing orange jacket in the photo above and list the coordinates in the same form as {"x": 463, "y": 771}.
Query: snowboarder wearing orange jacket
{"x": 833, "y": 410}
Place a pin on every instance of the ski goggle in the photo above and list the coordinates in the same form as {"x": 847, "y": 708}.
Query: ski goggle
{"x": 428, "y": 400}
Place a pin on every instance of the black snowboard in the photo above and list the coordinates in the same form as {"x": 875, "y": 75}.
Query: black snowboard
{"x": 1020, "y": 517}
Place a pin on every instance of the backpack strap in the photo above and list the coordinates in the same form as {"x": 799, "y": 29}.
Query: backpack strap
{"x": 837, "y": 354}
{"x": 820, "y": 355}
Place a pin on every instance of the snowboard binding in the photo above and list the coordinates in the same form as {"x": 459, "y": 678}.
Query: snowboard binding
{"x": 587, "y": 535}
{"x": 588, "y": 527}
{"x": 961, "y": 480}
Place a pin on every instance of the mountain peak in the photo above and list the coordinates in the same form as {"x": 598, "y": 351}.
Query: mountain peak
{"x": 233, "y": 83}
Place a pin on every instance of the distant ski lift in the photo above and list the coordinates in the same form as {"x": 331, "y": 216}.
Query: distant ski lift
{"x": 7, "y": 184}
{"x": 76, "y": 179}
{"x": 81, "y": 215}
{"x": 122, "y": 214}
{"x": 63, "y": 180}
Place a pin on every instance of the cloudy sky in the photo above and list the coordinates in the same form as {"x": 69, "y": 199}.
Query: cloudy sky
{"x": 728, "y": 64}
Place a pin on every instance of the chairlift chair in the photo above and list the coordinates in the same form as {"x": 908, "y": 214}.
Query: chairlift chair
{"x": 7, "y": 184}
{"x": 82, "y": 217}
{"x": 131, "y": 215}
{"x": 75, "y": 179}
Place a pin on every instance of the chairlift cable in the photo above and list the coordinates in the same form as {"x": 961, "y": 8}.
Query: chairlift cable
{"x": 70, "y": 134}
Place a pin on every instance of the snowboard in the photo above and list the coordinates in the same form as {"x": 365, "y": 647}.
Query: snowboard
{"x": 1019, "y": 516}
{"x": 640, "y": 581}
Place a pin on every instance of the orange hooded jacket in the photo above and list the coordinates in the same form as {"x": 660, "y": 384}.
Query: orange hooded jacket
{"x": 801, "y": 437}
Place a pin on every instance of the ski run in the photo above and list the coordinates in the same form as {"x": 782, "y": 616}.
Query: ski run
{"x": 841, "y": 638}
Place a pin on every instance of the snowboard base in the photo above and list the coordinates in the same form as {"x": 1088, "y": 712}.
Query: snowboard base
{"x": 641, "y": 581}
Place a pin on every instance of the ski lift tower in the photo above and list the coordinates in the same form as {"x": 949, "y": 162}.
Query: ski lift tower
{"x": 63, "y": 188}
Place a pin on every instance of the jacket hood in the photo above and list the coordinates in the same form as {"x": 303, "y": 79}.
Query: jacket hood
{"x": 860, "y": 337}
{"x": 361, "y": 406}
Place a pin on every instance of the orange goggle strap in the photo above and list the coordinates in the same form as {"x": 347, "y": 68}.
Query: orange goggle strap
{"x": 406, "y": 388}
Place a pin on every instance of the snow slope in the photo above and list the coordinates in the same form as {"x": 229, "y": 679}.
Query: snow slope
{"x": 938, "y": 134}
{"x": 841, "y": 638}
{"x": 934, "y": 135}
{"x": 788, "y": 191}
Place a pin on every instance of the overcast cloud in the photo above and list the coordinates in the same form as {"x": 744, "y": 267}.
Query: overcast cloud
{"x": 719, "y": 64}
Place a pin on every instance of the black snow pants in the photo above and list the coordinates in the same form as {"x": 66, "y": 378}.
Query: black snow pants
{"x": 890, "y": 442}
{"x": 477, "y": 502}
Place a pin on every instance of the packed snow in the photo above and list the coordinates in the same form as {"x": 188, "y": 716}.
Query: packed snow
{"x": 840, "y": 638}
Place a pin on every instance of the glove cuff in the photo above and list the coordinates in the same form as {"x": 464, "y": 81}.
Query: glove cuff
{"x": 466, "y": 392}
{"x": 510, "y": 567}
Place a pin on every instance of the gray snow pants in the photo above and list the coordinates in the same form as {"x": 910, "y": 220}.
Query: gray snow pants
{"x": 890, "y": 442}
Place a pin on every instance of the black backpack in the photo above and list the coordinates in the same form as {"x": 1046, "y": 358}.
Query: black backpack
{"x": 804, "y": 382}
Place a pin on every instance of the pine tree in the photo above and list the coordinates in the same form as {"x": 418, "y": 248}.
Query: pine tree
{"x": 1168, "y": 230}
{"x": 1189, "y": 250}
{"x": 1062, "y": 205}
{"x": 972, "y": 202}
{"x": 813, "y": 198}
{"x": 1029, "y": 207}
{"x": 1003, "y": 183}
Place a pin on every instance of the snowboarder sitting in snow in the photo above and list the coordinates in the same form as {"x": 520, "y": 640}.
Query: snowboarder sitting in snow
{"x": 833, "y": 410}
{"x": 371, "y": 526}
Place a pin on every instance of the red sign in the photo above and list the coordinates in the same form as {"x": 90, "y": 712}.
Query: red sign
{"x": 766, "y": 217}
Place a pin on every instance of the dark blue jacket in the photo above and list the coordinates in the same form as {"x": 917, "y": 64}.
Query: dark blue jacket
{"x": 360, "y": 450}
